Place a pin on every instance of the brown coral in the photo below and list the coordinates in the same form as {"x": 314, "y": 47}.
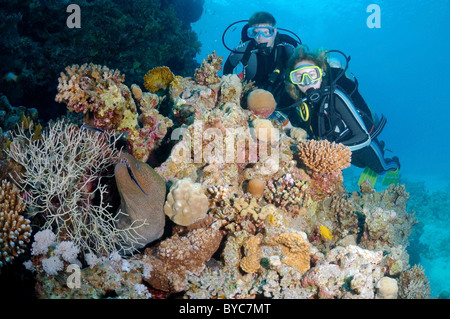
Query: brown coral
{"x": 15, "y": 230}
{"x": 158, "y": 78}
{"x": 323, "y": 156}
{"x": 177, "y": 256}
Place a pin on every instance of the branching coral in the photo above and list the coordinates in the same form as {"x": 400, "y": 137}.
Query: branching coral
{"x": 325, "y": 162}
{"x": 413, "y": 284}
{"x": 323, "y": 156}
{"x": 62, "y": 177}
{"x": 15, "y": 230}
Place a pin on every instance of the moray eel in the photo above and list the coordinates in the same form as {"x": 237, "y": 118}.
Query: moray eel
{"x": 142, "y": 194}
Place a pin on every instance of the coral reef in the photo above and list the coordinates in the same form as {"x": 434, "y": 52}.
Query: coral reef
{"x": 249, "y": 215}
{"x": 108, "y": 104}
{"x": 15, "y": 229}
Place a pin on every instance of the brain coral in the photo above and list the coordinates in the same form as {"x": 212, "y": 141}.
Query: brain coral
{"x": 261, "y": 102}
{"x": 15, "y": 230}
{"x": 186, "y": 202}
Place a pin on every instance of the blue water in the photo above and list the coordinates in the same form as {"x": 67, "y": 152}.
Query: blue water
{"x": 403, "y": 72}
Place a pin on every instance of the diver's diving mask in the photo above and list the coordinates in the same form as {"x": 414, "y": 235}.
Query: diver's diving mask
{"x": 306, "y": 75}
{"x": 266, "y": 32}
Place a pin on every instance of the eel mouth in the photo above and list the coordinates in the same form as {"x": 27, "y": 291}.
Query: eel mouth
{"x": 130, "y": 173}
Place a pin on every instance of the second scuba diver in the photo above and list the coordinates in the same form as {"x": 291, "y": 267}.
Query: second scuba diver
{"x": 330, "y": 107}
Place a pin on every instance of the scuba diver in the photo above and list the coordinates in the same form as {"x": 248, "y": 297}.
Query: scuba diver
{"x": 330, "y": 107}
{"x": 263, "y": 53}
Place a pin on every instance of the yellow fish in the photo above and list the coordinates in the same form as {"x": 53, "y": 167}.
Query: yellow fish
{"x": 325, "y": 232}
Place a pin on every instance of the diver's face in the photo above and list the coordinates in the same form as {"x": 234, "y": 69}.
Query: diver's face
{"x": 262, "y": 29}
{"x": 314, "y": 85}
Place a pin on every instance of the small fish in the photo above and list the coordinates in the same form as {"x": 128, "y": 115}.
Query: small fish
{"x": 92, "y": 128}
{"x": 11, "y": 76}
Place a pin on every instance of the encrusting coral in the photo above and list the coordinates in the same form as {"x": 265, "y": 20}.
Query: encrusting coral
{"x": 15, "y": 229}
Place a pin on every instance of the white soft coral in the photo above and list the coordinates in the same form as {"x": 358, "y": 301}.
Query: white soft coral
{"x": 42, "y": 240}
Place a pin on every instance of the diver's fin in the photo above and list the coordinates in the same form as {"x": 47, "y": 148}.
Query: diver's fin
{"x": 391, "y": 177}
{"x": 370, "y": 175}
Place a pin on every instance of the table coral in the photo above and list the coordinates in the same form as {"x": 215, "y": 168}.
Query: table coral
{"x": 15, "y": 229}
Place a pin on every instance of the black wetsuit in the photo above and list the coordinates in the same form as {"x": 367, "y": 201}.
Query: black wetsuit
{"x": 347, "y": 120}
{"x": 259, "y": 67}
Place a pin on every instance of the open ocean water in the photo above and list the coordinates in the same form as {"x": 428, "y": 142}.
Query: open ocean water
{"x": 402, "y": 68}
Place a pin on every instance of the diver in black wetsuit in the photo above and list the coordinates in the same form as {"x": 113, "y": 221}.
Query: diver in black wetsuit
{"x": 330, "y": 107}
{"x": 263, "y": 53}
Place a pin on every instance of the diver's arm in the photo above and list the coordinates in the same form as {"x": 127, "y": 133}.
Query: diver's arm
{"x": 356, "y": 136}
{"x": 234, "y": 58}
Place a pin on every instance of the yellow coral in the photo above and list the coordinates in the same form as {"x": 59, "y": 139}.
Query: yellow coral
{"x": 324, "y": 157}
{"x": 296, "y": 251}
{"x": 251, "y": 262}
{"x": 158, "y": 78}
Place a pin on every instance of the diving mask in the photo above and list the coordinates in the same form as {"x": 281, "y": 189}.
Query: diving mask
{"x": 266, "y": 32}
{"x": 306, "y": 75}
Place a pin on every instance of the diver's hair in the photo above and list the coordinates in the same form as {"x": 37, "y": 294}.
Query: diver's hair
{"x": 262, "y": 17}
{"x": 318, "y": 57}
